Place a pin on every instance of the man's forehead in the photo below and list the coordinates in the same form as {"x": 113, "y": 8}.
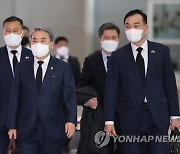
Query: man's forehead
{"x": 137, "y": 18}
{"x": 110, "y": 32}
{"x": 40, "y": 34}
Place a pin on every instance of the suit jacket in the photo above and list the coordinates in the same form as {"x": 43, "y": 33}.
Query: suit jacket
{"x": 54, "y": 105}
{"x": 94, "y": 74}
{"x": 75, "y": 67}
{"x": 126, "y": 91}
{"x": 6, "y": 80}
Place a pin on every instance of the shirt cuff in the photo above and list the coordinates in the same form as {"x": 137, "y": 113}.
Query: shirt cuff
{"x": 109, "y": 122}
{"x": 175, "y": 117}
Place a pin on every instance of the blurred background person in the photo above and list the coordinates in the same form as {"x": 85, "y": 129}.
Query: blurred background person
{"x": 25, "y": 40}
{"x": 62, "y": 52}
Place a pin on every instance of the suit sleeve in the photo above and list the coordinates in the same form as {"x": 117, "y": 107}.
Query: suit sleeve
{"x": 111, "y": 89}
{"x": 85, "y": 78}
{"x": 69, "y": 97}
{"x": 170, "y": 85}
{"x": 77, "y": 71}
{"x": 14, "y": 100}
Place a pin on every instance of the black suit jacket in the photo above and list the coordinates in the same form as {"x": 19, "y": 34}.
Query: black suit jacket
{"x": 6, "y": 80}
{"x": 94, "y": 74}
{"x": 75, "y": 67}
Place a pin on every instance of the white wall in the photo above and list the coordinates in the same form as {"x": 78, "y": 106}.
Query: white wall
{"x": 63, "y": 17}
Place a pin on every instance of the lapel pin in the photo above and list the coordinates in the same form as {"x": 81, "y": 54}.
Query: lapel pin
{"x": 52, "y": 68}
{"x": 153, "y": 51}
{"x": 26, "y": 57}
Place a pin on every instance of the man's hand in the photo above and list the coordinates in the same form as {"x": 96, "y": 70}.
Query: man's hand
{"x": 110, "y": 129}
{"x": 69, "y": 129}
{"x": 92, "y": 103}
{"x": 12, "y": 132}
{"x": 175, "y": 123}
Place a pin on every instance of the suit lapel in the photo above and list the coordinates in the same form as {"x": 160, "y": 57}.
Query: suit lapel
{"x": 24, "y": 54}
{"x": 151, "y": 59}
{"x": 49, "y": 72}
{"x": 31, "y": 73}
{"x": 100, "y": 64}
{"x": 7, "y": 62}
{"x": 132, "y": 62}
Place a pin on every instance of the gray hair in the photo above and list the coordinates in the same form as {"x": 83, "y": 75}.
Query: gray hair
{"x": 51, "y": 35}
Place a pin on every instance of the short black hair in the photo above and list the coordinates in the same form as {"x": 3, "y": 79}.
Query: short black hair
{"x": 13, "y": 18}
{"x": 25, "y": 28}
{"x": 108, "y": 26}
{"x": 60, "y": 38}
{"x": 136, "y": 11}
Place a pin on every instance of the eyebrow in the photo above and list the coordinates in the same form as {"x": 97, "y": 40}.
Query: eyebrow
{"x": 136, "y": 23}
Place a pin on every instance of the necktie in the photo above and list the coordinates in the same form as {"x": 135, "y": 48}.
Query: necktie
{"x": 62, "y": 58}
{"x": 140, "y": 63}
{"x": 108, "y": 60}
{"x": 15, "y": 61}
{"x": 39, "y": 75}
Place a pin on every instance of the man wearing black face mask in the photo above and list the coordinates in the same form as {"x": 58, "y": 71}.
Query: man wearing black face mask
{"x": 25, "y": 40}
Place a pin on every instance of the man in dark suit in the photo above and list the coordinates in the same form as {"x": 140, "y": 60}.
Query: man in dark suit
{"x": 62, "y": 52}
{"x": 10, "y": 55}
{"x": 43, "y": 104}
{"x": 96, "y": 66}
{"x": 141, "y": 85}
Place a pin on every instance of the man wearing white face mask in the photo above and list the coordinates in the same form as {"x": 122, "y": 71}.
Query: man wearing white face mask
{"x": 43, "y": 104}
{"x": 10, "y": 55}
{"x": 141, "y": 85}
{"x": 62, "y": 52}
{"x": 94, "y": 74}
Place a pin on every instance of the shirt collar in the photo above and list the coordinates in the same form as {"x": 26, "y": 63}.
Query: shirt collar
{"x": 104, "y": 55}
{"x": 18, "y": 49}
{"x": 144, "y": 46}
{"x": 66, "y": 58}
{"x": 46, "y": 60}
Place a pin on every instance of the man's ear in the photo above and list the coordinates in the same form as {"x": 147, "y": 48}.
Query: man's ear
{"x": 99, "y": 40}
{"x": 22, "y": 33}
{"x": 146, "y": 27}
{"x": 51, "y": 46}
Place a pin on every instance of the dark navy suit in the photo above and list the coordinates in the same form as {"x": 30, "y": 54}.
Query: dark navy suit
{"x": 52, "y": 106}
{"x": 6, "y": 80}
{"x": 126, "y": 91}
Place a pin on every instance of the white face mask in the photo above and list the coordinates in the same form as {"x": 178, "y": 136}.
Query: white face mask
{"x": 40, "y": 50}
{"x": 109, "y": 45}
{"x": 13, "y": 40}
{"x": 134, "y": 35}
{"x": 63, "y": 51}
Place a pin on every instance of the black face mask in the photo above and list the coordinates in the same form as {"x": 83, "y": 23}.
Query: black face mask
{"x": 25, "y": 41}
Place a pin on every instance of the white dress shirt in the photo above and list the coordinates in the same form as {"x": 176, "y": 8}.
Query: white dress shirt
{"x": 144, "y": 54}
{"x": 18, "y": 55}
{"x": 44, "y": 66}
{"x": 65, "y": 59}
{"x": 104, "y": 56}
